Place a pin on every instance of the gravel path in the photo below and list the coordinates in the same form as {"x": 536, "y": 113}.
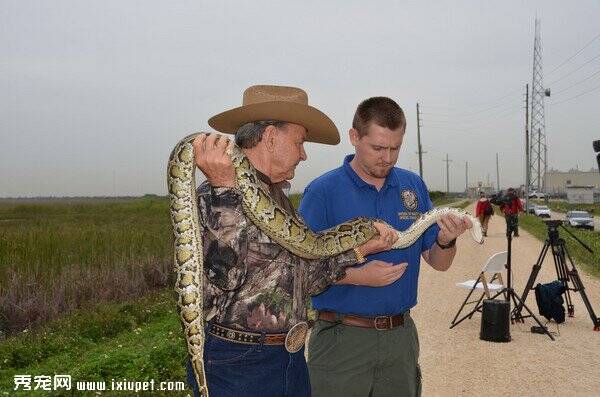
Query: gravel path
{"x": 457, "y": 362}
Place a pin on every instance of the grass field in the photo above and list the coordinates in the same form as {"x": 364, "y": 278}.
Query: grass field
{"x": 59, "y": 256}
{"x": 581, "y": 257}
{"x": 139, "y": 340}
{"x": 56, "y": 257}
{"x": 50, "y": 236}
{"x": 563, "y": 206}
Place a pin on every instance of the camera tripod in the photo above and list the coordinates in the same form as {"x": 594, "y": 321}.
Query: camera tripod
{"x": 568, "y": 276}
{"x": 508, "y": 291}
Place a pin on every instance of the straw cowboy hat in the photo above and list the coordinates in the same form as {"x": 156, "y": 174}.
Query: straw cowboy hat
{"x": 273, "y": 102}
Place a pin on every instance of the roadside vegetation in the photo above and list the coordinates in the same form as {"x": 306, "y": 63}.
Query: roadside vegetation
{"x": 581, "y": 257}
{"x": 138, "y": 340}
{"x": 58, "y": 257}
{"x": 563, "y": 206}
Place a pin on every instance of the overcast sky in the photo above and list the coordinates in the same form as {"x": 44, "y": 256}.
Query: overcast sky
{"x": 94, "y": 94}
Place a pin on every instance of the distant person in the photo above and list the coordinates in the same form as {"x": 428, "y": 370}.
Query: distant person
{"x": 511, "y": 206}
{"x": 484, "y": 211}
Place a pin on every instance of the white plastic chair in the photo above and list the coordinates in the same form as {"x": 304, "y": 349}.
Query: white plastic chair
{"x": 493, "y": 269}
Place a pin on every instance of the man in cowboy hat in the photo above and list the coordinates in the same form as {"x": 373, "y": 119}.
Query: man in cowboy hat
{"x": 255, "y": 291}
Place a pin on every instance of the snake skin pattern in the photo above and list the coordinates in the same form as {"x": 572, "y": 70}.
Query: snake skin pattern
{"x": 282, "y": 227}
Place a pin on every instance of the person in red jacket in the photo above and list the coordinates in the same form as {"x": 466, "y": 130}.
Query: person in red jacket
{"x": 511, "y": 210}
{"x": 484, "y": 211}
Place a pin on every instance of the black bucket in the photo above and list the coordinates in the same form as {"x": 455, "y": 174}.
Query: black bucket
{"x": 495, "y": 325}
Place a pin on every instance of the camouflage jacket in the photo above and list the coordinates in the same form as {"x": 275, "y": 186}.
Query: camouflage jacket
{"x": 251, "y": 282}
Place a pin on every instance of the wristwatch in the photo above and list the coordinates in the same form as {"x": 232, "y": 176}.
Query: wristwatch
{"x": 451, "y": 244}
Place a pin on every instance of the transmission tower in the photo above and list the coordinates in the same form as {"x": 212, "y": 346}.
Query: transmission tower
{"x": 538, "y": 164}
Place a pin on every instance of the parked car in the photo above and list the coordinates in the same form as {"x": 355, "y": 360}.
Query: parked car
{"x": 581, "y": 219}
{"x": 530, "y": 208}
{"x": 537, "y": 195}
{"x": 542, "y": 211}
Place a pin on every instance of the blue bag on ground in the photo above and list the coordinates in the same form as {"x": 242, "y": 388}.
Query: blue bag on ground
{"x": 550, "y": 301}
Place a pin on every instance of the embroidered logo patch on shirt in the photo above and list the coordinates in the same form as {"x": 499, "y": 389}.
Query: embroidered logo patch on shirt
{"x": 409, "y": 199}
{"x": 409, "y": 215}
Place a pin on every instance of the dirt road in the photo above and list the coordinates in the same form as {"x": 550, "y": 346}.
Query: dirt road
{"x": 457, "y": 362}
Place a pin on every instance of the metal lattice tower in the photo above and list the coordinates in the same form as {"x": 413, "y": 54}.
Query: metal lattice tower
{"x": 537, "y": 145}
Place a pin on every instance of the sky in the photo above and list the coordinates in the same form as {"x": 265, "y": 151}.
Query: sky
{"x": 95, "y": 94}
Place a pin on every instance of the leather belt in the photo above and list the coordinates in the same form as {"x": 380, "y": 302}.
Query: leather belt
{"x": 249, "y": 338}
{"x": 379, "y": 322}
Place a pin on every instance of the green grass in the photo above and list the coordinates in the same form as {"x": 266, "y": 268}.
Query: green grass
{"x": 59, "y": 256}
{"x": 451, "y": 202}
{"x": 50, "y": 236}
{"x": 563, "y": 206}
{"x": 139, "y": 340}
{"x": 582, "y": 258}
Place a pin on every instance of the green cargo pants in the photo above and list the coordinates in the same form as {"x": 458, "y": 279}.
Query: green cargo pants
{"x": 351, "y": 361}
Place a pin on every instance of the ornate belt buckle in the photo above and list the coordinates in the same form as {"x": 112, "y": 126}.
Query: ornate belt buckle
{"x": 388, "y": 318}
{"x": 294, "y": 340}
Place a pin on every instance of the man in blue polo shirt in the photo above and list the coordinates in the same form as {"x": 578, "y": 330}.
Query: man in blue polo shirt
{"x": 364, "y": 342}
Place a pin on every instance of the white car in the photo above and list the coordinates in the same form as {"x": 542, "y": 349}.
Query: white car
{"x": 580, "y": 219}
{"x": 537, "y": 195}
{"x": 541, "y": 211}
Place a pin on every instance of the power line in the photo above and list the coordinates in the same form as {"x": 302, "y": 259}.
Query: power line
{"x": 476, "y": 120}
{"x": 473, "y": 128}
{"x": 469, "y": 115}
{"x": 579, "y": 82}
{"x": 576, "y": 96}
{"x": 485, "y": 104}
{"x": 574, "y": 55}
{"x": 573, "y": 71}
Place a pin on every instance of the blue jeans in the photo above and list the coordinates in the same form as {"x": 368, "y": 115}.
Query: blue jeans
{"x": 235, "y": 369}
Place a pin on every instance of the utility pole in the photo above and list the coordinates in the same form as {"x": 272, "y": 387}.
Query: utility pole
{"x": 497, "y": 173}
{"x": 419, "y": 148}
{"x": 466, "y": 177}
{"x": 527, "y": 169}
{"x": 539, "y": 160}
{"x": 448, "y": 161}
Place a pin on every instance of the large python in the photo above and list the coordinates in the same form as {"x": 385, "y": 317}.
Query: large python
{"x": 282, "y": 227}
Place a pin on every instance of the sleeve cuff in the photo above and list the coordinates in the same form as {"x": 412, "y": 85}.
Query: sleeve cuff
{"x": 228, "y": 195}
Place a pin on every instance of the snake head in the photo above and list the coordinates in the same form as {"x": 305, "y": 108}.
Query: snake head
{"x": 476, "y": 230}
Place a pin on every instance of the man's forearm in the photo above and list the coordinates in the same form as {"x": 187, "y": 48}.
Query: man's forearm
{"x": 352, "y": 277}
{"x": 440, "y": 259}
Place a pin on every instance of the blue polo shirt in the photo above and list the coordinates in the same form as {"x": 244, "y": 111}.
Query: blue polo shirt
{"x": 340, "y": 195}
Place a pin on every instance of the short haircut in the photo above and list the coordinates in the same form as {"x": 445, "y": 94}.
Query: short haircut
{"x": 380, "y": 110}
{"x": 249, "y": 134}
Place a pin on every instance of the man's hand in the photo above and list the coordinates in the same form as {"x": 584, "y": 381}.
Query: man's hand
{"x": 261, "y": 317}
{"x": 452, "y": 226}
{"x": 382, "y": 242}
{"x": 374, "y": 274}
{"x": 210, "y": 153}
